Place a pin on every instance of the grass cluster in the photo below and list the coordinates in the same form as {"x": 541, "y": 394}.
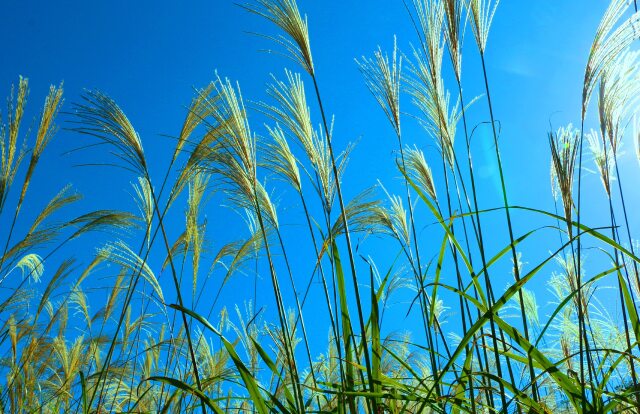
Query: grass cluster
{"x": 150, "y": 345}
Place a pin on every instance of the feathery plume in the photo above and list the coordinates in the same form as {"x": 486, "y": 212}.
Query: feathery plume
{"x": 200, "y": 108}
{"x": 431, "y": 19}
{"x": 382, "y": 78}
{"x": 608, "y": 44}
{"x": 427, "y": 84}
{"x": 555, "y": 191}
{"x": 46, "y": 130}
{"x": 603, "y": 158}
{"x": 236, "y": 159}
{"x": 10, "y": 157}
{"x": 144, "y": 202}
{"x": 286, "y": 15}
{"x": 619, "y": 91}
{"x": 323, "y": 167}
{"x": 393, "y": 219}
{"x": 454, "y": 32}
{"x": 482, "y": 13}
{"x": 195, "y": 232}
{"x": 232, "y": 128}
{"x": 119, "y": 253}
{"x": 564, "y": 151}
{"x": 281, "y": 160}
{"x": 102, "y": 118}
{"x": 361, "y": 215}
{"x": 419, "y": 170}
{"x": 440, "y": 122}
{"x": 292, "y": 110}
{"x": 31, "y": 266}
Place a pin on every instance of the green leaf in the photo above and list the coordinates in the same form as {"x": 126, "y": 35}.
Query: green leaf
{"x": 245, "y": 374}
{"x": 347, "y": 332}
{"x": 631, "y": 307}
{"x": 189, "y": 389}
{"x": 376, "y": 354}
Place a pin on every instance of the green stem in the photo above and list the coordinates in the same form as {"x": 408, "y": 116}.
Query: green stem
{"x": 290, "y": 357}
{"x": 343, "y": 214}
{"x": 583, "y": 338}
{"x": 418, "y": 272}
{"x": 510, "y": 228}
{"x": 323, "y": 279}
{"x": 479, "y": 237}
{"x": 178, "y": 292}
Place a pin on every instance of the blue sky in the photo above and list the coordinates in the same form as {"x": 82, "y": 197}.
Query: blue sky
{"x": 149, "y": 56}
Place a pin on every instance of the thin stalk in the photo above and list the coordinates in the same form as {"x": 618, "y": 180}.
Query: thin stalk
{"x": 161, "y": 217}
{"x": 449, "y": 210}
{"x": 516, "y": 272}
{"x": 492, "y": 323}
{"x": 280, "y": 305}
{"x": 299, "y": 308}
{"x": 622, "y": 303}
{"x": 583, "y": 339}
{"x": 178, "y": 293}
{"x": 626, "y": 222}
{"x": 464, "y": 303}
{"x": 128, "y": 297}
{"x": 479, "y": 237}
{"x": 322, "y": 278}
{"x": 336, "y": 176}
{"x": 490, "y": 297}
{"x": 13, "y": 223}
{"x": 502, "y": 337}
{"x": 617, "y": 261}
{"x": 326, "y": 210}
{"x": 418, "y": 271}
{"x": 437, "y": 326}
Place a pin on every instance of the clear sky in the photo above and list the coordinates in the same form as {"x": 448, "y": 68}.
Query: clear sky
{"x": 149, "y": 55}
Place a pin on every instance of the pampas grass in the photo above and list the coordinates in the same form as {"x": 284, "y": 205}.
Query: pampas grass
{"x": 112, "y": 335}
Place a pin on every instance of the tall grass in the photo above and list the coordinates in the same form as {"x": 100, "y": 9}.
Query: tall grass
{"x": 139, "y": 344}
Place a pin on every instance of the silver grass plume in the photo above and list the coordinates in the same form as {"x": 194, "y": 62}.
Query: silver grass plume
{"x": 46, "y": 131}
{"x": 382, "y": 77}
{"x": 236, "y": 160}
{"x": 31, "y": 267}
{"x": 455, "y": 29}
{"x": 555, "y": 191}
{"x": 286, "y": 15}
{"x": 361, "y": 215}
{"x": 144, "y": 202}
{"x": 603, "y": 157}
{"x": 419, "y": 171}
{"x": 564, "y": 151}
{"x": 618, "y": 94}
{"x": 608, "y": 43}
{"x": 232, "y": 128}
{"x": 120, "y": 254}
{"x": 292, "y": 110}
{"x": 323, "y": 167}
{"x": 102, "y": 118}
{"x": 195, "y": 232}
{"x": 427, "y": 84}
{"x": 280, "y": 159}
{"x": 199, "y": 109}
{"x": 393, "y": 219}
{"x": 434, "y": 101}
{"x": 10, "y": 156}
{"x": 482, "y": 12}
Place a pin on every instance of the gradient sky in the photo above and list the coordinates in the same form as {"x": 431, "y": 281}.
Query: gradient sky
{"x": 149, "y": 56}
